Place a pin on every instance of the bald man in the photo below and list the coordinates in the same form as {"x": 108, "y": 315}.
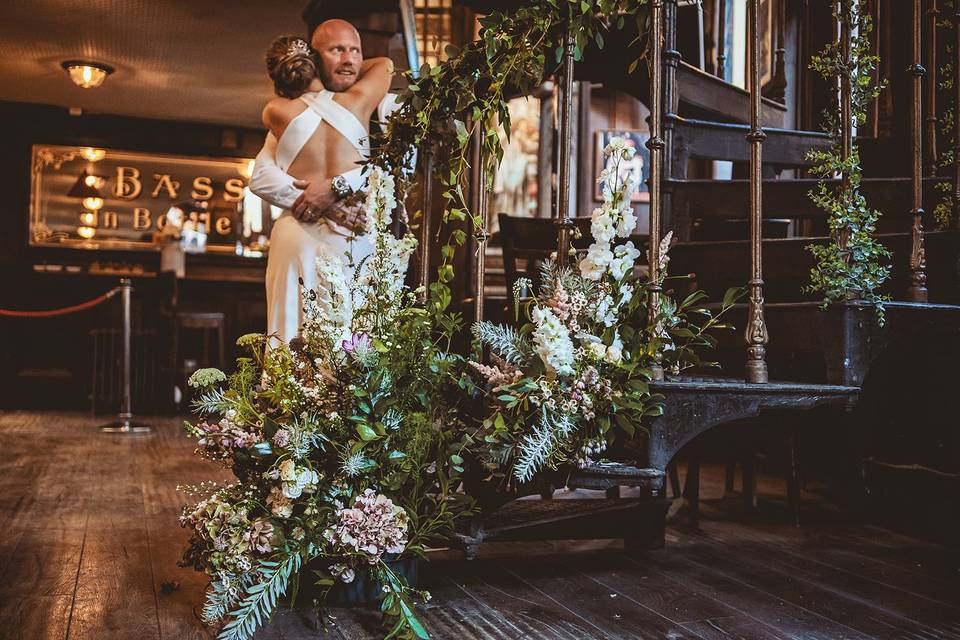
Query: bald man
{"x": 337, "y": 44}
{"x": 330, "y": 138}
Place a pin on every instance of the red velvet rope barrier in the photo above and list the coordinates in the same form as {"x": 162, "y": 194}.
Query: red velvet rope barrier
{"x": 61, "y": 312}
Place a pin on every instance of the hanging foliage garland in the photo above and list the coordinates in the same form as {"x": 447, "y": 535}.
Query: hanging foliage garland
{"x": 852, "y": 265}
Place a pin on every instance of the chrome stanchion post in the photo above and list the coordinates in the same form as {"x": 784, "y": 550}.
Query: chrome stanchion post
{"x": 124, "y": 422}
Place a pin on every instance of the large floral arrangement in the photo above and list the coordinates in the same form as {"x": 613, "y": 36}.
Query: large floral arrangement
{"x": 574, "y": 380}
{"x": 342, "y": 444}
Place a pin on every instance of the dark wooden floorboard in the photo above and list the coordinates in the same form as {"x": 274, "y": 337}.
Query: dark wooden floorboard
{"x": 564, "y": 581}
{"x": 873, "y": 619}
{"x": 90, "y": 545}
{"x": 758, "y": 601}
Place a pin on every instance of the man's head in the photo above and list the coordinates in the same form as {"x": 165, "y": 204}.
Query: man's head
{"x": 337, "y": 44}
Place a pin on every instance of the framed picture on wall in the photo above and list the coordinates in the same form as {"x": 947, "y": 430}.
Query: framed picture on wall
{"x": 639, "y": 166}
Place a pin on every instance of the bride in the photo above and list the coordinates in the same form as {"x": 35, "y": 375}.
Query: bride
{"x": 321, "y": 134}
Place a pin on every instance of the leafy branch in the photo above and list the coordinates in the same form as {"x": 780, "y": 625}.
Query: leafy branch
{"x": 261, "y": 598}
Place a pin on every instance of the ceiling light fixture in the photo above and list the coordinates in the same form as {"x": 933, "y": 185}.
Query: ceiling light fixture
{"x": 87, "y": 74}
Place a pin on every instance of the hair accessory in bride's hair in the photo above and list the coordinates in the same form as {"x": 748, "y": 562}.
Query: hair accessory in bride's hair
{"x": 298, "y": 47}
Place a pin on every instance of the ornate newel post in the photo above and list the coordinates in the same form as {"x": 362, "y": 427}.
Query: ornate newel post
{"x": 756, "y": 331}
{"x": 424, "y": 275}
{"x": 918, "y": 263}
{"x": 656, "y": 145}
{"x": 562, "y": 218}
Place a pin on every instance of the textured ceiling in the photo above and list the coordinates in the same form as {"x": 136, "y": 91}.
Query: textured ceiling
{"x": 194, "y": 60}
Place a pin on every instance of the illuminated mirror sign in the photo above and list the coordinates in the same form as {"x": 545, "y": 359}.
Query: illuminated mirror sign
{"x": 94, "y": 198}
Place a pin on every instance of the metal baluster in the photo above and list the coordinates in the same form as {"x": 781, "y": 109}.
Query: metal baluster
{"x": 845, "y": 98}
{"x": 480, "y": 234}
{"x": 721, "y": 38}
{"x": 656, "y": 145}
{"x": 756, "y": 333}
{"x": 956, "y": 112}
{"x": 562, "y": 220}
{"x": 918, "y": 276}
{"x": 933, "y": 12}
{"x": 425, "y": 222}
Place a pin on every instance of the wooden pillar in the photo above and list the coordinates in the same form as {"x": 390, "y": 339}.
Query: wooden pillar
{"x": 756, "y": 332}
{"x": 777, "y": 87}
{"x": 567, "y": 149}
{"x": 656, "y": 144}
{"x": 918, "y": 276}
{"x": 721, "y": 37}
{"x": 931, "y": 120}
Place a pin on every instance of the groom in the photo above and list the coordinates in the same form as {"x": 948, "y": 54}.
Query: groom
{"x": 338, "y": 48}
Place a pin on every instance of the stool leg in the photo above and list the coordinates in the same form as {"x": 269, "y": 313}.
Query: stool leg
{"x": 730, "y": 475}
{"x": 793, "y": 478}
{"x": 691, "y": 489}
{"x": 749, "y": 480}
{"x": 674, "y": 476}
{"x": 222, "y": 362}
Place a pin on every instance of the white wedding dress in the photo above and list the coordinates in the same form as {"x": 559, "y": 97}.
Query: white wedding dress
{"x": 295, "y": 245}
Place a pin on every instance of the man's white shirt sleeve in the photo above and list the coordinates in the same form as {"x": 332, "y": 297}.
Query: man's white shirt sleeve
{"x": 269, "y": 181}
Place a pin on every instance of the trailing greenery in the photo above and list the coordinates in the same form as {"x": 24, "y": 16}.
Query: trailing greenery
{"x": 853, "y": 264}
{"x": 943, "y": 212}
{"x": 467, "y": 96}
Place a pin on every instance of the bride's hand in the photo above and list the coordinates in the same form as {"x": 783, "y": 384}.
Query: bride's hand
{"x": 350, "y": 216}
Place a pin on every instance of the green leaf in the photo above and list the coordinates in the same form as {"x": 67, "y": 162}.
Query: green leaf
{"x": 366, "y": 433}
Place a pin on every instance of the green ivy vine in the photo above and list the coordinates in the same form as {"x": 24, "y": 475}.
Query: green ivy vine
{"x": 852, "y": 265}
{"x": 943, "y": 212}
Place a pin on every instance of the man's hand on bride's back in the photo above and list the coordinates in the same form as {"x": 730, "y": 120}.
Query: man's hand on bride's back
{"x": 316, "y": 199}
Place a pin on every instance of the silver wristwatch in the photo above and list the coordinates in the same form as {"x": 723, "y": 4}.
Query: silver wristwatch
{"x": 341, "y": 188}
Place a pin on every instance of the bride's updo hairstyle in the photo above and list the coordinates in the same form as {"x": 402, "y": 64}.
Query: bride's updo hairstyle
{"x": 291, "y": 65}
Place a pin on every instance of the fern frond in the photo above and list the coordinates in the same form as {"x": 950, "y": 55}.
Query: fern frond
{"x": 220, "y": 599}
{"x": 504, "y": 340}
{"x": 213, "y": 402}
{"x": 544, "y": 446}
{"x": 261, "y": 598}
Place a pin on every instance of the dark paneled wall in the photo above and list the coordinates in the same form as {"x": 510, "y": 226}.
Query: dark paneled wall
{"x": 48, "y": 362}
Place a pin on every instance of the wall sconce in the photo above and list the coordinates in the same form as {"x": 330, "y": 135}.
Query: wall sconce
{"x": 93, "y": 154}
{"x": 85, "y": 74}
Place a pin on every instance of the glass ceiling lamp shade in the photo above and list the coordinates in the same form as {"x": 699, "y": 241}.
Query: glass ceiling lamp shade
{"x": 87, "y": 74}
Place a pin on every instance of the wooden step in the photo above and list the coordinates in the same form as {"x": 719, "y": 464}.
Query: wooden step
{"x": 713, "y": 95}
{"x": 706, "y": 139}
{"x": 729, "y": 199}
{"x": 787, "y": 263}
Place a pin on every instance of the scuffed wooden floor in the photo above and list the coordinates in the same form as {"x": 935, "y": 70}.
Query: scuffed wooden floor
{"x": 88, "y": 538}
